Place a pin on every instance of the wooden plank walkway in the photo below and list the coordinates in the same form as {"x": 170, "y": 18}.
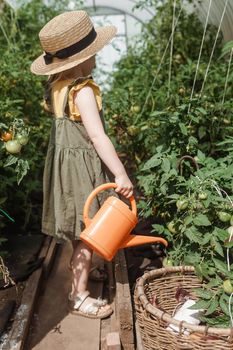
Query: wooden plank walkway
{"x": 43, "y": 322}
{"x": 52, "y": 326}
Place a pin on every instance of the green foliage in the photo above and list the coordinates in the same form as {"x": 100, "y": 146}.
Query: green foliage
{"x": 18, "y": 133}
{"x": 21, "y": 94}
{"x": 155, "y": 123}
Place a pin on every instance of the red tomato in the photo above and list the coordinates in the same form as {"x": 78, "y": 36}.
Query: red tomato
{"x": 6, "y": 136}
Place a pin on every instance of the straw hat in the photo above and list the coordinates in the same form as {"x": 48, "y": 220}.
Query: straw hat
{"x": 68, "y": 40}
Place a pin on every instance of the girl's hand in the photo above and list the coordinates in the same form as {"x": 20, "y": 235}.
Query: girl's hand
{"x": 124, "y": 185}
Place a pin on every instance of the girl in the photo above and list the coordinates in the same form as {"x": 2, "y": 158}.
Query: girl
{"x": 79, "y": 152}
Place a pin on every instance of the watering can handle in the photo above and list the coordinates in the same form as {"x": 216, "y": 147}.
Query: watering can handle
{"x": 98, "y": 189}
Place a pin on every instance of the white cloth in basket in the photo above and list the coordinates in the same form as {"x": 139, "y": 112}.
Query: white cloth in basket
{"x": 187, "y": 315}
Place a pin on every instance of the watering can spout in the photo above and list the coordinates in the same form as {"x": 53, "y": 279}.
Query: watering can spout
{"x": 134, "y": 240}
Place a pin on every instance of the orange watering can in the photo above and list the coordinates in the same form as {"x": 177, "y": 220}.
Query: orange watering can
{"x": 110, "y": 228}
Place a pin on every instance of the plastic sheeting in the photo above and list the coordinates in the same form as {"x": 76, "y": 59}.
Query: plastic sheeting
{"x": 216, "y": 10}
{"x": 127, "y": 7}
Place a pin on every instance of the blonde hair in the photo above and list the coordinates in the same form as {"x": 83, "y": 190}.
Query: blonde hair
{"x": 73, "y": 74}
{"x": 66, "y": 74}
{"x": 52, "y": 80}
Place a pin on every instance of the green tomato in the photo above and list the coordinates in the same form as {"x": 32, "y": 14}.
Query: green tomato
{"x": 178, "y": 59}
{"x": 133, "y": 130}
{"x": 223, "y": 216}
{"x": 167, "y": 262}
{"x": 156, "y": 123}
{"x": 115, "y": 116}
{"x": 182, "y": 91}
{"x": 171, "y": 227}
{"x": 230, "y": 230}
{"x": 227, "y": 286}
{"x": 144, "y": 127}
{"x": 135, "y": 109}
{"x": 226, "y": 121}
{"x": 13, "y": 146}
{"x": 182, "y": 204}
{"x": 23, "y": 139}
{"x": 202, "y": 195}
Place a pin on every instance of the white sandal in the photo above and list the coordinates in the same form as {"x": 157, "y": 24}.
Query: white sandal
{"x": 91, "y": 309}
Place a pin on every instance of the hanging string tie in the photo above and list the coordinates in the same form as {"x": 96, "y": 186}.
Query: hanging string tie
{"x": 199, "y": 56}
{"x": 215, "y": 42}
{"x": 227, "y": 76}
{"x": 172, "y": 45}
{"x": 160, "y": 64}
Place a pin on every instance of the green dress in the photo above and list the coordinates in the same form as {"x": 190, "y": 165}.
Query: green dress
{"x": 72, "y": 170}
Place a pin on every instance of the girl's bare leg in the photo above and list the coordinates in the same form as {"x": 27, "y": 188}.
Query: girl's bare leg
{"x": 80, "y": 264}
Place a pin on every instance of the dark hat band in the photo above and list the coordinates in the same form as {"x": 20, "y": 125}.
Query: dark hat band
{"x": 72, "y": 49}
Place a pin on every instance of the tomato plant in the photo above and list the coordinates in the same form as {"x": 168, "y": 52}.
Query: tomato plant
{"x": 21, "y": 95}
{"x": 184, "y": 200}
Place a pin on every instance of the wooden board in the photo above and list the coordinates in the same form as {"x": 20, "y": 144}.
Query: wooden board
{"x": 124, "y": 312}
{"x": 109, "y": 325}
{"x": 53, "y": 327}
{"x": 19, "y": 330}
{"x": 22, "y": 317}
{"x": 113, "y": 341}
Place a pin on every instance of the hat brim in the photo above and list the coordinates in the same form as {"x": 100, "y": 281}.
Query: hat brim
{"x": 104, "y": 36}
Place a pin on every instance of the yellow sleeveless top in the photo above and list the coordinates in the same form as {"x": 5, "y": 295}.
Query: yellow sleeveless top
{"x": 63, "y": 93}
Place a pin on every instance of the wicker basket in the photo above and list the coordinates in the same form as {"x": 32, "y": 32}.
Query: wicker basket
{"x": 162, "y": 284}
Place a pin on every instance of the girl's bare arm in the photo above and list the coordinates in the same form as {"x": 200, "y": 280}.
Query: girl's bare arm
{"x": 86, "y": 103}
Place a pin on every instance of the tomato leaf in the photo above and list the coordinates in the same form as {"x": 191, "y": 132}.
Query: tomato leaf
{"x": 203, "y": 293}
{"x": 214, "y": 283}
{"x": 206, "y": 238}
{"x": 183, "y": 129}
{"x": 228, "y": 244}
{"x": 165, "y": 165}
{"x": 10, "y": 160}
{"x": 218, "y": 248}
{"x": 158, "y": 228}
{"x": 224, "y": 305}
{"x": 213, "y": 307}
{"x": 21, "y": 169}
{"x": 221, "y": 266}
{"x": 220, "y": 234}
{"x": 193, "y": 234}
{"x": 201, "y": 220}
{"x": 200, "y": 305}
{"x": 152, "y": 163}
{"x": 221, "y": 321}
{"x": 188, "y": 220}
